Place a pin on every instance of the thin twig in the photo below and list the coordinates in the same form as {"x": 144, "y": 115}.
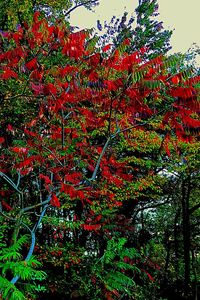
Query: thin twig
{"x": 10, "y": 182}
{"x": 78, "y": 5}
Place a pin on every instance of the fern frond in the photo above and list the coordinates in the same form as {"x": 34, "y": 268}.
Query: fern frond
{"x": 122, "y": 48}
{"x": 12, "y": 252}
{"x": 153, "y": 84}
{"x": 17, "y": 295}
{"x": 124, "y": 266}
{"x": 9, "y": 291}
{"x": 114, "y": 248}
{"x": 186, "y": 75}
{"x": 171, "y": 62}
{"x": 118, "y": 281}
{"x": 138, "y": 75}
{"x": 130, "y": 252}
{"x": 11, "y": 261}
{"x": 19, "y": 243}
{"x": 91, "y": 44}
{"x": 10, "y": 255}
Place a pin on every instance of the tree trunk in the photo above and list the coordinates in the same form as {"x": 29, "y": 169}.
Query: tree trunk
{"x": 176, "y": 243}
{"x": 186, "y": 233}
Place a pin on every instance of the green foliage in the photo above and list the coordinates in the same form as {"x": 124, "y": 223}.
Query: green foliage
{"x": 15, "y": 12}
{"x": 9, "y": 291}
{"x": 148, "y": 34}
{"x": 12, "y": 262}
{"x": 114, "y": 270}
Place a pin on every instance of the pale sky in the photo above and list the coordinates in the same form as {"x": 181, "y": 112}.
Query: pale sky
{"x": 181, "y": 15}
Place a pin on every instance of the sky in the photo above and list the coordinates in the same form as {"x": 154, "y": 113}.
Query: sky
{"x": 180, "y": 15}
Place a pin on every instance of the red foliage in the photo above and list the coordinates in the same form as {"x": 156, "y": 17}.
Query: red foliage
{"x": 32, "y": 64}
{"x": 106, "y": 48}
{"x": 6, "y": 205}
{"x": 8, "y": 73}
{"x": 2, "y": 140}
{"x": 84, "y": 108}
{"x": 149, "y": 275}
{"x": 91, "y": 227}
{"x": 46, "y": 179}
{"x": 55, "y": 201}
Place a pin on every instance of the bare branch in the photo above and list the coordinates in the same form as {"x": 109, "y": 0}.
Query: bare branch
{"x": 33, "y": 239}
{"x": 53, "y": 155}
{"x": 81, "y": 4}
{"x": 99, "y": 159}
{"x": 10, "y": 182}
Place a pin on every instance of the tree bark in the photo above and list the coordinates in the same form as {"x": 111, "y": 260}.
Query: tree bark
{"x": 186, "y": 186}
{"x": 176, "y": 243}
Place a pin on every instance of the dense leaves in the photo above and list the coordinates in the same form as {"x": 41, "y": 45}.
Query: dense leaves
{"x": 81, "y": 149}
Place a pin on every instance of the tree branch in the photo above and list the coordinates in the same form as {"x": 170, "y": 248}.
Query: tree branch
{"x": 33, "y": 238}
{"x": 99, "y": 159}
{"x": 11, "y": 182}
{"x": 107, "y": 143}
{"x": 80, "y": 4}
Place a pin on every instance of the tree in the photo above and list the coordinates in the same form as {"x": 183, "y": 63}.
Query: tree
{"x": 148, "y": 33}
{"x": 14, "y": 13}
{"x": 64, "y": 169}
{"x": 172, "y": 222}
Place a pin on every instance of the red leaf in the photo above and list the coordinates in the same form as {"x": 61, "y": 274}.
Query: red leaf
{"x": 99, "y": 150}
{"x": 28, "y": 162}
{"x": 73, "y": 178}
{"x": 36, "y": 15}
{"x": 117, "y": 181}
{"x": 2, "y": 140}
{"x": 106, "y": 48}
{"x": 17, "y": 36}
{"x": 175, "y": 80}
{"x": 183, "y": 92}
{"x": 68, "y": 189}
{"x": 110, "y": 84}
{"x": 55, "y": 201}
{"x": 91, "y": 227}
{"x": 80, "y": 195}
{"x": 190, "y": 122}
{"x": 75, "y": 45}
{"x": 6, "y": 206}
{"x": 150, "y": 277}
{"x": 143, "y": 50}
{"x": 30, "y": 133}
{"x": 8, "y": 73}
{"x": 10, "y": 128}
{"x": 37, "y": 88}
{"x": 45, "y": 178}
{"x": 26, "y": 171}
{"x": 167, "y": 150}
{"x": 166, "y": 145}
{"x": 93, "y": 76}
{"x": 67, "y": 70}
{"x": 37, "y": 75}
{"x": 50, "y": 89}
{"x": 98, "y": 218}
{"x": 32, "y": 64}
{"x": 20, "y": 149}
{"x": 127, "y": 42}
